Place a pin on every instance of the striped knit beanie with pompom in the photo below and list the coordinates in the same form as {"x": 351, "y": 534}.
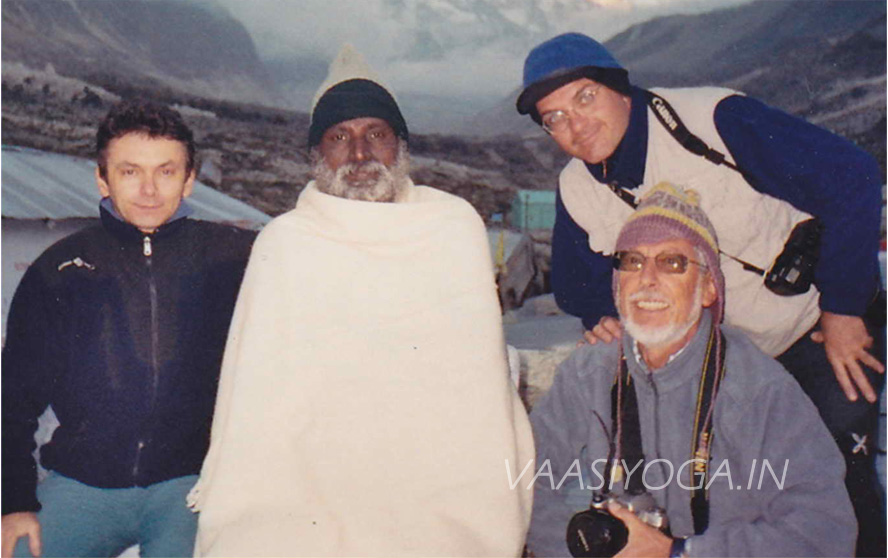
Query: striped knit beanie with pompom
{"x": 666, "y": 213}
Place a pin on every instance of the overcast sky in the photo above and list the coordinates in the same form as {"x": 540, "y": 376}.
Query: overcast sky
{"x": 317, "y": 28}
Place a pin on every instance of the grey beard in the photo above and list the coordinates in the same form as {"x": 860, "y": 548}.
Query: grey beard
{"x": 390, "y": 185}
{"x": 653, "y": 337}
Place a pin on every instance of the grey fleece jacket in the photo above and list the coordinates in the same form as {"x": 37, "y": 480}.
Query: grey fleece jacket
{"x": 762, "y": 423}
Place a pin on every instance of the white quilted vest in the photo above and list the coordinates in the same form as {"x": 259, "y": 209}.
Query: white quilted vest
{"x": 750, "y": 225}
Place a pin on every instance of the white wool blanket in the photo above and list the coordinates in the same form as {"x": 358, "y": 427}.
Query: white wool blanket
{"x": 365, "y": 407}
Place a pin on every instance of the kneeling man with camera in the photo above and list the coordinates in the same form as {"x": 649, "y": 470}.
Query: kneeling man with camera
{"x": 683, "y": 439}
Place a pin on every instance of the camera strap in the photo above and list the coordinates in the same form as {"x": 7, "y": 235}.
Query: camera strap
{"x": 632, "y": 201}
{"x": 626, "y": 446}
{"x": 670, "y": 120}
{"x": 673, "y": 124}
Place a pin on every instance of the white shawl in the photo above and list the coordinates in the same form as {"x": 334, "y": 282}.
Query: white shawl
{"x": 365, "y": 407}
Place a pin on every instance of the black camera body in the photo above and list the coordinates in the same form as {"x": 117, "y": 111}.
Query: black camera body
{"x": 793, "y": 270}
{"x": 597, "y": 533}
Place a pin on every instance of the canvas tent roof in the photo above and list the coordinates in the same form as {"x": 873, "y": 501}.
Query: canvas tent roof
{"x": 41, "y": 185}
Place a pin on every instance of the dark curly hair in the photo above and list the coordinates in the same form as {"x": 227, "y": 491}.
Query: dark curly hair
{"x": 144, "y": 117}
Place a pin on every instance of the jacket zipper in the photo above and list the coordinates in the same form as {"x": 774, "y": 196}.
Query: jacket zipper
{"x": 147, "y": 252}
{"x": 139, "y": 447}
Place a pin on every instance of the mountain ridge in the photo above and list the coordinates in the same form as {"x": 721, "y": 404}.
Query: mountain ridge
{"x": 54, "y": 94}
{"x": 184, "y": 45}
{"x": 828, "y": 67}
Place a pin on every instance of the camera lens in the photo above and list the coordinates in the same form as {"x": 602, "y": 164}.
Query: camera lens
{"x": 596, "y": 533}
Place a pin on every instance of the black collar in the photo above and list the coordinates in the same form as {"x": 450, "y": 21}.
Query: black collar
{"x": 130, "y": 233}
{"x": 626, "y": 164}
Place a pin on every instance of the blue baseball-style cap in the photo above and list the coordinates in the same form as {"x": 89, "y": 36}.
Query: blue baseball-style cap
{"x": 564, "y": 59}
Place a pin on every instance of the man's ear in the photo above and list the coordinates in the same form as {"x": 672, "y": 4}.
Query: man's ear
{"x": 189, "y": 184}
{"x": 104, "y": 190}
{"x": 710, "y": 292}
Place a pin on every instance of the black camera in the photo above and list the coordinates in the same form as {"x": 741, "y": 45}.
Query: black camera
{"x": 793, "y": 270}
{"x": 597, "y": 533}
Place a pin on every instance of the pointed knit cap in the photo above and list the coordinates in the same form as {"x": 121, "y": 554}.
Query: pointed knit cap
{"x": 666, "y": 213}
{"x": 352, "y": 90}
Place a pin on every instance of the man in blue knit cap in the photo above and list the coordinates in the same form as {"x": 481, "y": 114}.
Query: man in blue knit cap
{"x": 796, "y": 209}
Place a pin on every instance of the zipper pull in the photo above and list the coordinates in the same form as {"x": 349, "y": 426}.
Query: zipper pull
{"x": 146, "y": 246}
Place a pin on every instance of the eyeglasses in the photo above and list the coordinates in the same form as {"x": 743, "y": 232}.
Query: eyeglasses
{"x": 558, "y": 121}
{"x": 666, "y": 262}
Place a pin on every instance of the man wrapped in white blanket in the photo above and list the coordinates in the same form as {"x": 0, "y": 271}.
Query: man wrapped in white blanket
{"x": 365, "y": 407}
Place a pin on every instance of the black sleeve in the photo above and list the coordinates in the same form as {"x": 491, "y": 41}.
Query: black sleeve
{"x": 581, "y": 278}
{"x": 28, "y": 373}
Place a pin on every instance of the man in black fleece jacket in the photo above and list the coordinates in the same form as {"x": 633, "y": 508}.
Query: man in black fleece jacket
{"x": 121, "y": 329}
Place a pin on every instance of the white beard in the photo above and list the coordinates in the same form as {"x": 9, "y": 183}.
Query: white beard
{"x": 661, "y": 336}
{"x": 389, "y": 185}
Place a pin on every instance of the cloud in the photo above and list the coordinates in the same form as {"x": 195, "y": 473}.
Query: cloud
{"x": 438, "y": 47}
{"x": 281, "y": 28}
{"x": 613, "y": 4}
{"x": 454, "y": 77}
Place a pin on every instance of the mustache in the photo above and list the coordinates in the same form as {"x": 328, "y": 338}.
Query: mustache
{"x": 648, "y": 294}
{"x": 368, "y": 166}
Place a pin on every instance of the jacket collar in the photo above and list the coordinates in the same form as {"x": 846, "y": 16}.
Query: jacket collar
{"x": 115, "y": 224}
{"x": 685, "y": 366}
{"x": 625, "y": 166}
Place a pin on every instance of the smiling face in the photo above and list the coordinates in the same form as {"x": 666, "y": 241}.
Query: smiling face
{"x": 146, "y": 178}
{"x": 595, "y": 129}
{"x": 661, "y": 310}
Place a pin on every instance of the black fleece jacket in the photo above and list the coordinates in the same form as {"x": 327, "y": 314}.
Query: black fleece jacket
{"x": 121, "y": 332}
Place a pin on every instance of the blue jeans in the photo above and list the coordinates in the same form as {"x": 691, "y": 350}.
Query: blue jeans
{"x": 81, "y": 520}
{"x": 854, "y": 427}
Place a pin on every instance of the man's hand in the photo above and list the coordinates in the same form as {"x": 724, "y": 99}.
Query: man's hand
{"x": 17, "y": 525}
{"x": 846, "y": 341}
{"x": 607, "y": 329}
{"x": 644, "y": 541}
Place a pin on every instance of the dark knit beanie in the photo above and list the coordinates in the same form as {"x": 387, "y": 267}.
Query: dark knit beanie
{"x": 352, "y": 90}
{"x": 666, "y": 213}
{"x": 564, "y": 59}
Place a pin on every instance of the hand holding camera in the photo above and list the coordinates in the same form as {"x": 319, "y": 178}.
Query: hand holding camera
{"x": 643, "y": 539}
{"x": 628, "y": 524}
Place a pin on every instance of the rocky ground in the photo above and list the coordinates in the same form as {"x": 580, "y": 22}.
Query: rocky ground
{"x": 258, "y": 154}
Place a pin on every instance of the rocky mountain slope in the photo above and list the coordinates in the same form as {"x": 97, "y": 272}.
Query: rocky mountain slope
{"x": 66, "y": 61}
{"x": 196, "y": 48}
{"x": 822, "y": 60}
{"x": 258, "y": 154}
